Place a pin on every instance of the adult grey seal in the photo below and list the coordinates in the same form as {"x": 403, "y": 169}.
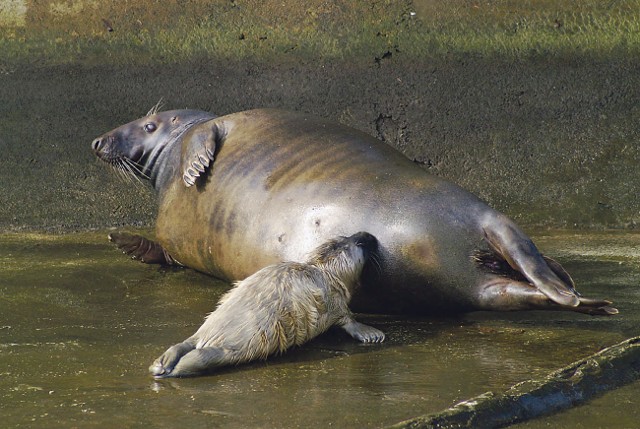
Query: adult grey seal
{"x": 282, "y": 183}
{"x": 280, "y": 306}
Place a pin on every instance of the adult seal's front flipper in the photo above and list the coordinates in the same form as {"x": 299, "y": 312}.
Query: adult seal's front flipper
{"x": 142, "y": 249}
{"x": 198, "y": 152}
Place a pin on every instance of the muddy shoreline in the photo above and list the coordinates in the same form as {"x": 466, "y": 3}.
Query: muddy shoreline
{"x": 82, "y": 322}
{"x": 549, "y": 142}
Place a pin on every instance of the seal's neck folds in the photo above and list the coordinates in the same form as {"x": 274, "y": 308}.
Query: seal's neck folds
{"x": 164, "y": 165}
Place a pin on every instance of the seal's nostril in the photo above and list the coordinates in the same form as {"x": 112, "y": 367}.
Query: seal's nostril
{"x": 96, "y": 144}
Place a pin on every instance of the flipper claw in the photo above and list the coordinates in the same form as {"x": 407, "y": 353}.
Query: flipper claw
{"x": 199, "y": 153}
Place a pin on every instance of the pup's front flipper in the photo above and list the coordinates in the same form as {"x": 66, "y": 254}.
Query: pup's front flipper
{"x": 362, "y": 332}
{"x": 141, "y": 249}
{"x": 164, "y": 365}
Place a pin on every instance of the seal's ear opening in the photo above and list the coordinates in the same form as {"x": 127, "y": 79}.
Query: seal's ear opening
{"x": 199, "y": 152}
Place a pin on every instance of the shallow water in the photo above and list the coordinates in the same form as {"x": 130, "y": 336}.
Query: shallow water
{"x": 80, "y": 323}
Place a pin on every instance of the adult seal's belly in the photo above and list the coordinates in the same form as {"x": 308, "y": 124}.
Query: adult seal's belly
{"x": 247, "y": 190}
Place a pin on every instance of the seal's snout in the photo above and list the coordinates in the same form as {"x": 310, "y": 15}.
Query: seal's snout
{"x": 103, "y": 148}
{"x": 97, "y": 144}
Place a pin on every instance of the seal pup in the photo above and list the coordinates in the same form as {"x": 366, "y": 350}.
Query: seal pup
{"x": 280, "y": 306}
{"x": 250, "y": 189}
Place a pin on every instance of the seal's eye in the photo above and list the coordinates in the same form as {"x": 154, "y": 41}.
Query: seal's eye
{"x": 150, "y": 127}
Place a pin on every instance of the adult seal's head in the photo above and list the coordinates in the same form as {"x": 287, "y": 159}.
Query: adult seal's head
{"x": 147, "y": 147}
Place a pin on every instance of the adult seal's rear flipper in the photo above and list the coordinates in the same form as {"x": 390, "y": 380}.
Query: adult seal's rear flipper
{"x": 506, "y": 294}
{"x": 142, "y": 249}
{"x": 198, "y": 152}
{"x": 520, "y": 278}
{"x": 511, "y": 244}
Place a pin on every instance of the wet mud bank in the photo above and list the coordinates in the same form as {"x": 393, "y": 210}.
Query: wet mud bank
{"x": 549, "y": 143}
{"x": 532, "y": 107}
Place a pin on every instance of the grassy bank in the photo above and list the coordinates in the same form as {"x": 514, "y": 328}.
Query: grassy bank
{"x": 174, "y": 31}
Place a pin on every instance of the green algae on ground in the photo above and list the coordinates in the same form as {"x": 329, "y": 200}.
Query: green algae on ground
{"x": 165, "y": 32}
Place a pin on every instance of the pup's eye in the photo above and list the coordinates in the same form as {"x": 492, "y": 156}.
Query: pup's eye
{"x": 150, "y": 127}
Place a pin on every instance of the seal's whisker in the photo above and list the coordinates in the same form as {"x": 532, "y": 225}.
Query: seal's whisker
{"x": 140, "y": 167}
{"x": 136, "y": 167}
{"x": 116, "y": 168}
{"x": 156, "y": 107}
{"x": 122, "y": 171}
{"x": 133, "y": 172}
{"x": 129, "y": 170}
{"x": 373, "y": 257}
